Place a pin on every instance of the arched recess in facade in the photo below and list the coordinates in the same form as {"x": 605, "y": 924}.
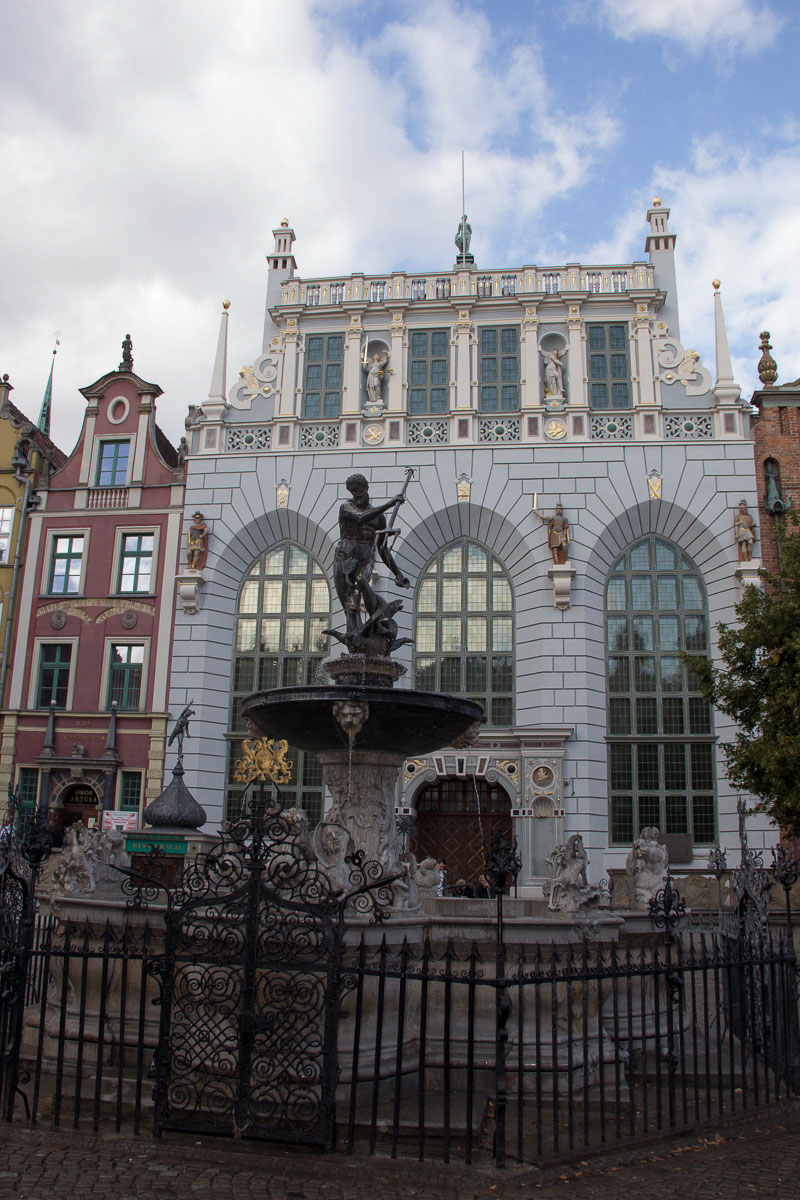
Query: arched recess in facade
{"x": 714, "y": 561}
{"x": 207, "y": 681}
{"x": 420, "y": 543}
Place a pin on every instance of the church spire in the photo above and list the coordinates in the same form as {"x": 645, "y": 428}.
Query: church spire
{"x": 43, "y": 423}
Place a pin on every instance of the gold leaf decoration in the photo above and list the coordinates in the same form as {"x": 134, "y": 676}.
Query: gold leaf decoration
{"x": 263, "y": 758}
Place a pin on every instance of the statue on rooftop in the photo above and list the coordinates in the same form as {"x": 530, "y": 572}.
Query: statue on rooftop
{"x": 127, "y": 354}
{"x": 463, "y": 237}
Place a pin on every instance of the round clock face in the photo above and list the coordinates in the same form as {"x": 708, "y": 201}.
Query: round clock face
{"x": 555, "y": 428}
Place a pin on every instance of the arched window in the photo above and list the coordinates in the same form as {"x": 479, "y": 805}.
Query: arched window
{"x": 464, "y": 629}
{"x": 284, "y": 605}
{"x": 660, "y": 729}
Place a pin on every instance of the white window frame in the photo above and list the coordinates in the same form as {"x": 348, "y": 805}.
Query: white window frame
{"x": 10, "y": 509}
{"x": 47, "y": 564}
{"x": 116, "y": 562}
{"x": 33, "y": 683}
{"x": 94, "y": 462}
{"x": 105, "y": 677}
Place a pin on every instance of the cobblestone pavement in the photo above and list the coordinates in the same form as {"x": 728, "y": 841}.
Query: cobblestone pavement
{"x": 758, "y": 1157}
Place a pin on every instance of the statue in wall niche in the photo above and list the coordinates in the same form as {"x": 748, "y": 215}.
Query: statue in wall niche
{"x": 375, "y": 368}
{"x": 554, "y": 372}
{"x": 197, "y": 543}
{"x": 744, "y": 532}
{"x": 363, "y": 537}
{"x": 646, "y": 867}
{"x": 568, "y": 888}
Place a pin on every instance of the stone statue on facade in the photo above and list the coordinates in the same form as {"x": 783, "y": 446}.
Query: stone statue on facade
{"x": 744, "y": 532}
{"x": 557, "y": 533}
{"x": 362, "y": 538}
{"x": 463, "y": 237}
{"x": 568, "y": 888}
{"x": 375, "y": 368}
{"x": 646, "y": 867}
{"x": 554, "y": 373}
{"x": 183, "y": 451}
{"x": 197, "y": 543}
{"x": 428, "y": 878}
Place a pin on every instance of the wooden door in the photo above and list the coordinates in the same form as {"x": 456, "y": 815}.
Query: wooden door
{"x": 456, "y": 820}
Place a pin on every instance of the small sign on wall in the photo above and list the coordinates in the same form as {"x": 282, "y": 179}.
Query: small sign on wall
{"x": 126, "y": 821}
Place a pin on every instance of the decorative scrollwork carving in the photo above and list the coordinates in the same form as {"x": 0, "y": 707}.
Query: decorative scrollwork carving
{"x": 263, "y": 758}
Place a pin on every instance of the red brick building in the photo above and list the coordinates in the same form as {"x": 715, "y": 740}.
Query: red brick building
{"x": 776, "y": 431}
{"x": 86, "y": 717}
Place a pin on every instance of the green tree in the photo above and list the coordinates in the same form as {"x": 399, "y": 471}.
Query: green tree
{"x": 759, "y": 686}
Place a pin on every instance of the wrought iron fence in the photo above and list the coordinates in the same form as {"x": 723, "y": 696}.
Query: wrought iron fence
{"x": 257, "y": 999}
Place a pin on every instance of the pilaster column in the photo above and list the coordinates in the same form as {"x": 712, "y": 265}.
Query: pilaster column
{"x": 395, "y": 396}
{"x": 643, "y": 367}
{"x": 576, "y": 386}
{"x": 463, "y": 372}
{"x": 351, "y": 371}
{"x": 531, "y": 375}
{"x": 291, "y": 338}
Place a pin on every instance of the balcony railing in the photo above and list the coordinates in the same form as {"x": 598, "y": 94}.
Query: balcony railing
{"x": 111, "y": 497}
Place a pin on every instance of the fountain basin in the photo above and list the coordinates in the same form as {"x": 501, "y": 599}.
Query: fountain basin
{"x": 401, "y": 722}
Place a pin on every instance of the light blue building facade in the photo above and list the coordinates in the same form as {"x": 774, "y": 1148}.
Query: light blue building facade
{"x": 508, "y": 392}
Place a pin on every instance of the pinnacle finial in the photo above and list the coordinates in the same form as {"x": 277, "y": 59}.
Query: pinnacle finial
{"x": 656, "y": 202}
{"x": 767, "y": 367}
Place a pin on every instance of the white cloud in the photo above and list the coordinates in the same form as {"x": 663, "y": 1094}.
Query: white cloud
{"x": 734, "y": 212}
{"x": 148, "y": 152}
{"x": 721, "y": 26}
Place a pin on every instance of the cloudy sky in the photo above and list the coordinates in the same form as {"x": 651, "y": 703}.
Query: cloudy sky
{"x": 148, "y": 150}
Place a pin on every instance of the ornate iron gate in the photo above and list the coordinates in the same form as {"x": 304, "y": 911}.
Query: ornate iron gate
{"x": 251, "y": 981}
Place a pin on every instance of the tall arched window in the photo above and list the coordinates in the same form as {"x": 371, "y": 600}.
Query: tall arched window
{"x": 464, "y": 629}
{"x": 284, "y": 605}
{"x": 660, "y": 729}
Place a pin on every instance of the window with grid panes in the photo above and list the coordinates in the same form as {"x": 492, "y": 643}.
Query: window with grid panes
{"x": 322, "y": 394}
{"x": 609, "y": 366}
{"x": 125, "y": 677}
{"x": 428, "y": 373}
{"x": 55, "y": 659}
{"x": 499, "y": 368}
{"x": 65, "y": 567}
{"x": 130, "y": 790}
{"x": 660, "y": 729}
{"x": 6, "y": 522}
{"x": 136, "y": 562}
{"x": 464, "y": 629}
{"x": 27, "y": 790}
{"x": 283, "y": 609}
{"x": 112, "y": 464}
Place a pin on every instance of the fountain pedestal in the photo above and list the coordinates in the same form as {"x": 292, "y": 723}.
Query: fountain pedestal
{"x": 363, "y": 785}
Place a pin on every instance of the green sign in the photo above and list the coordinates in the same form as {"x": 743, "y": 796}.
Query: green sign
{"x": 143, "y": 843}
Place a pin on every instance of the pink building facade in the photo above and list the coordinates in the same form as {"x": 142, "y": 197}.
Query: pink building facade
{"x": 86, "y": 717}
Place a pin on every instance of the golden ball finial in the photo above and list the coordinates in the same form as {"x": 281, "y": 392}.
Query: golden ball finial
{"x": 656, "y": 202}
{"x": 226, "y": 304}
{"x": 285, "y": 223}
{"x": 715, "y": 284}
